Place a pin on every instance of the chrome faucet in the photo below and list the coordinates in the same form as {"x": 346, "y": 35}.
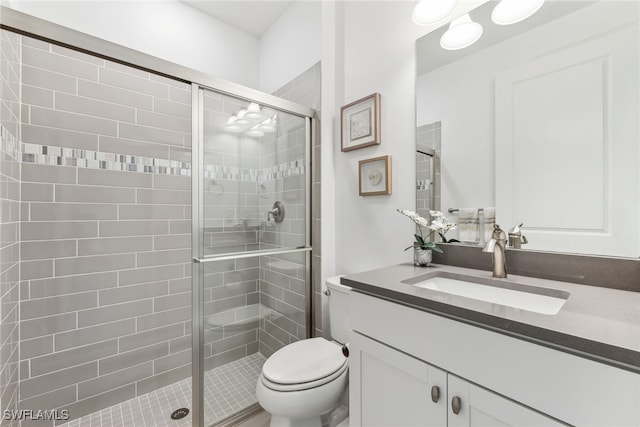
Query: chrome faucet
{"x": 496, "y": 246}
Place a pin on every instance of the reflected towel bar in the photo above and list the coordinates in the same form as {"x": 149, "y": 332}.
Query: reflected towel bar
{"x": 454, "y": 210}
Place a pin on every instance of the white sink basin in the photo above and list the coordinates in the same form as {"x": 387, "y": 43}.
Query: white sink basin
{"x": 537, "y": 302}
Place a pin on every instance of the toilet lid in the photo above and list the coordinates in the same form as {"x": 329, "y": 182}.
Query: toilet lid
{"x": 304, "y": 361}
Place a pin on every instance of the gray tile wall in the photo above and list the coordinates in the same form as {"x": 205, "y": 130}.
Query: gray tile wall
{"x": 282, "y": 277}
{"x": 244, "y": 176}
{"x": 254, "y": 304}
{"x": 105, "y": 244}
{"x": 282, "y": 285}
{"x": 231, "y": 221}
{"x": 231, "y": 216}
{"x": 9, "y": 221}
{"x": 428, "y": 136}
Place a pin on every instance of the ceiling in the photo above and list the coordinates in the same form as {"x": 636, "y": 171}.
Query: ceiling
{"x": 253, "y": 17}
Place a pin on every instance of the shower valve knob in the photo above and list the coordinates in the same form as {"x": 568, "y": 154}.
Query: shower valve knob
{"x": 277, "y": 212}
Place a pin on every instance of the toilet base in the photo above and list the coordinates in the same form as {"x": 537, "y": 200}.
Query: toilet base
{"x": 277, "y": 421}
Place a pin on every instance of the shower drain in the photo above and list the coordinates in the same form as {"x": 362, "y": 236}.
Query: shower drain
{"x": 178, "y": 414}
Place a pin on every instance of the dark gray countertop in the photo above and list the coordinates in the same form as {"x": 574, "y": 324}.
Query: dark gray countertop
{"x": 595, "y": 322}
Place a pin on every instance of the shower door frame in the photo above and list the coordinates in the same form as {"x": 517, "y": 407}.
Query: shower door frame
{"x": 31, "y": 26}
{"x": 197, "y": 225}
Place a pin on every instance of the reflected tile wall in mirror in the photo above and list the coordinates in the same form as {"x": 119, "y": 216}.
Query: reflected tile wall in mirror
{"x": 428, "y": 168}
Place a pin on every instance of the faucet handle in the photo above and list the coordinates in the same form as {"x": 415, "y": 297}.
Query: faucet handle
{"x": 516, "y": 229}
{"x": 498, "y": 233}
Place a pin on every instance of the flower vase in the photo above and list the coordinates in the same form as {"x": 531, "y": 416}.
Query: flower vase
{"x": 422, "y": 257}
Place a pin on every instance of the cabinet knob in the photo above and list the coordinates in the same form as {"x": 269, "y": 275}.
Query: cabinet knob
{"x": 456, "y": 404}
{"x": 435, "y": 393}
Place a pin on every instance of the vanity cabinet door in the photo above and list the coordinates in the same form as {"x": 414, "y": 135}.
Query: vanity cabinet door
{"x": 473, "y": 406}
{"x": 389, "y": 388}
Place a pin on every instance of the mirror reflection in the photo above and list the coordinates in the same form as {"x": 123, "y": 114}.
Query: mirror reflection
{"x": 537, "y": 128}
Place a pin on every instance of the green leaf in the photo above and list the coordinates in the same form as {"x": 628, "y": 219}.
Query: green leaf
{"x": 432, "y": 246}
{"x": 436, "y": 249}
{"x": 420, "y": 240}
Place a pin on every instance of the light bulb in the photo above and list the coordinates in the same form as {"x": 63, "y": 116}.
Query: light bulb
{"x": 462, "y": 32}
{"x": 430, "y": 12}
{"x": 268, "y": 125}
{"x": 254, "y": 131}
{"x": 241, "y": 119}
{"x": 253, "y": 112}
{"x": 231, "y": 125}
{"x": 509, "y": 12}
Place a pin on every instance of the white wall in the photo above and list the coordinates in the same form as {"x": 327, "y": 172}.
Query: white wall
{"x": 379, "y": 56}
{"x": 166, "y": 29}
{"x": 291, "y": 45}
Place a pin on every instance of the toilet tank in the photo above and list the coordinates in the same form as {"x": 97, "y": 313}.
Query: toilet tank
{"x": 339, "y": 320}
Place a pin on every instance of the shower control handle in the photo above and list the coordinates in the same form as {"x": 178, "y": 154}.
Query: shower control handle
{"x": 277, "y": 212}
{"x": 327, "y": 292}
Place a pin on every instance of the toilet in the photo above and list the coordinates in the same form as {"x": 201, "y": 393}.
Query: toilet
{"x": 305, "y": 380}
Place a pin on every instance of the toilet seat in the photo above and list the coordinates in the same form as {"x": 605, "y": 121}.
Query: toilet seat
{"x": 303, "y": 386}
{"x": 303, "y": 365}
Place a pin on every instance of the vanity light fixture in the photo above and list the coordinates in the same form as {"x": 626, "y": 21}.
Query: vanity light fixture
{"x": 430, "y": 12}
{"x": 252, "y": 121}
{"x": 462, "y": 32}
{"x": 509, "y": 12}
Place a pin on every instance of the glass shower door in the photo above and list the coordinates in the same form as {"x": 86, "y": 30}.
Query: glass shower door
{"x": 251, "y": 244}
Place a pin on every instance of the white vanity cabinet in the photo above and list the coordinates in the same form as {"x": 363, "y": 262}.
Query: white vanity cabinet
{"x": 399, "y": 353}
{"x": 391, "y": 388}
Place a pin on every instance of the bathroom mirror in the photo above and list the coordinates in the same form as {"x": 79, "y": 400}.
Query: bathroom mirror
{"x": 539, "y": 119}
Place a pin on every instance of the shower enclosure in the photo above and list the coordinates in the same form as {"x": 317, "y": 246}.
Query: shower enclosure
{"x": 251, "y": 244}
{"x": 156, "y": 235}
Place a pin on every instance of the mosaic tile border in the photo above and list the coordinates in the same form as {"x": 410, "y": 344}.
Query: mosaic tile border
{"x": 423, "y": 184}
{"x": 283, "y": 170}
{"x": 61, "y": 156}
{"x": 9, "y": 143}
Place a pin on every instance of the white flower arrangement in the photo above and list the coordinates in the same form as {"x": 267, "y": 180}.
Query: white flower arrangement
{"x": 439, "y": 225}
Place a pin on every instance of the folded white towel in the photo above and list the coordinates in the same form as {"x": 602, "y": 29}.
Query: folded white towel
{"x": 489, "y": 219}
{"x": 468, "y": 225}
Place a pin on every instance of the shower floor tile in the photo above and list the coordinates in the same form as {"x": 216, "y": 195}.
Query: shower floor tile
{"x": 227, "y": 390}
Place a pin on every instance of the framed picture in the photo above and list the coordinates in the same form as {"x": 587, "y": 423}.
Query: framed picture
{"x": 360, "y": 123}
{"x": 375, "y": 176}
